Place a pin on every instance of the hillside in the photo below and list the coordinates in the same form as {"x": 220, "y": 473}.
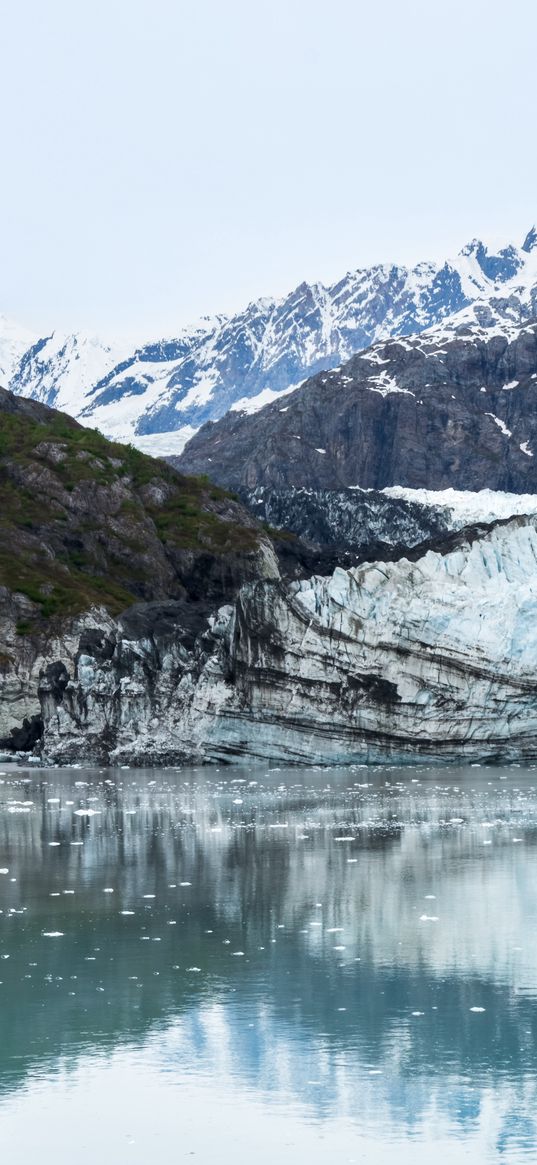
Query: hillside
{"x": 84, "y": 521}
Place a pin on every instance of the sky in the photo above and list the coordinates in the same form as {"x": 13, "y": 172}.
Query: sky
{"x": 166, "y": 159}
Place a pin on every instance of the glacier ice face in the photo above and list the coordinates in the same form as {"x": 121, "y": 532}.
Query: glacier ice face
{"x": 428, "y": 659}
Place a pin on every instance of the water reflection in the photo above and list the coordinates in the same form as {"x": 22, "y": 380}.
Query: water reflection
{"x": 346, "y": 957}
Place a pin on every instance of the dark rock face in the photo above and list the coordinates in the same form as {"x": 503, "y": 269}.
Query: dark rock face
{"x": 454, "y": 407}
{"x": 348, "y": 520}
{"x": 25, "y": 737}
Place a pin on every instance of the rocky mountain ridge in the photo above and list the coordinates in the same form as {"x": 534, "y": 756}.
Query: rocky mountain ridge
{"x": 453, "y": 407}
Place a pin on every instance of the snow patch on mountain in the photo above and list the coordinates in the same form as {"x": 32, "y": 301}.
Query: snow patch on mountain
{"x": 252, "y": 404}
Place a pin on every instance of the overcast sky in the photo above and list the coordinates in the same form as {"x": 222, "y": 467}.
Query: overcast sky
{"x": 164, "y": 159}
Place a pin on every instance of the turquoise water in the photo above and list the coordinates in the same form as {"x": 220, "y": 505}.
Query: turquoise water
{"x": 298, "y": 964}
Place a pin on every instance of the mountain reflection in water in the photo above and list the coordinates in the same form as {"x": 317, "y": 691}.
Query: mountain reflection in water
{"x": 323, "y": 961}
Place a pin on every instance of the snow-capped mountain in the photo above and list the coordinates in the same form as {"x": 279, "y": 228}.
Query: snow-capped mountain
{"x": 61, "y": 369}
{"x": 160, "y": 393}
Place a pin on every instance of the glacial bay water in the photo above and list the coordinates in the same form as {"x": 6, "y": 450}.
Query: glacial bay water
{"x": 284, "y": 965}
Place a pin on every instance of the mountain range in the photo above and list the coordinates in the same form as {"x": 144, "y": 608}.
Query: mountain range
{"x": 158, "y": 394}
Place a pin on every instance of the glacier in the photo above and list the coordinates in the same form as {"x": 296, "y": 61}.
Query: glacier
{"x": 429, "y": 657}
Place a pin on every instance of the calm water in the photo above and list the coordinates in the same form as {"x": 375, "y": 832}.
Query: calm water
{"x": 297, "y": 964}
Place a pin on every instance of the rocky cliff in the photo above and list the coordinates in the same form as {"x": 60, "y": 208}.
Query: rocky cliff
{"x": 430, "y": 656}
{"x": 452, "y": 407}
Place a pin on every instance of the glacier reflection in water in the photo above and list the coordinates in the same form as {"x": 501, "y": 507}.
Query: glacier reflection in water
{"x": 220, "y": 962}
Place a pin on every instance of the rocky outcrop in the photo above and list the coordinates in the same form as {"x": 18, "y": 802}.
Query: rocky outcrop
{"x": 432, "y": 656}
{"x": 453, "y": 407}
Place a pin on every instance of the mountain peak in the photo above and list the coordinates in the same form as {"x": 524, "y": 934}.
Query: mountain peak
{"x": 474, "y": 247}
{"x": 530, "y": 242}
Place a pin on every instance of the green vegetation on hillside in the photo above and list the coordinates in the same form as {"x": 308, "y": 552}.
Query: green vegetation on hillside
{"x": 84, "y": 520}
